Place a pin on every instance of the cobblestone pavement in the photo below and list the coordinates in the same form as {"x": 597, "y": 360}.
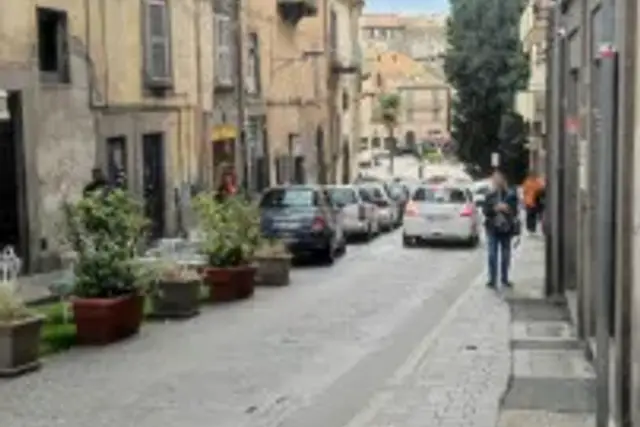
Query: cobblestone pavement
{"x": 312, "y": 354}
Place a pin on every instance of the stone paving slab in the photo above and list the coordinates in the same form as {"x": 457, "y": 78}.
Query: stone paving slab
{"x": 551, "y": 364}
{"x": 544, "y": 419}
{"x": 551, "y": 383}
{"x": 542, "y": 331}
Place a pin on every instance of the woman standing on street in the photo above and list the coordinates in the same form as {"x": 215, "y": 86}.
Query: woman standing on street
{"x": 501, "y": 224}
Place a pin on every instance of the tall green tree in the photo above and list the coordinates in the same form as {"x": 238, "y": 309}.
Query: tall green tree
{"x": 486, "y": 67}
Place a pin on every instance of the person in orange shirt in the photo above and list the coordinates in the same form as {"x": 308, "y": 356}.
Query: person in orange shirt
{"x": 531, "y": 188}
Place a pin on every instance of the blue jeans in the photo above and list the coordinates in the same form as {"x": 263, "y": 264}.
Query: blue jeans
{"x": 499, "y": 246}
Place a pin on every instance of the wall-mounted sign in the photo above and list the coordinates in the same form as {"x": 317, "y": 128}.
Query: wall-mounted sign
{"x": 4, "y": 105}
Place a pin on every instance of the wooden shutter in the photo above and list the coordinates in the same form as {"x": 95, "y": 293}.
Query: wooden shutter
{"x": 158, "y": 49}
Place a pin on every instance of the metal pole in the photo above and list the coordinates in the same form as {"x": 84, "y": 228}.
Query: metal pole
{"x": 241, "y": 153}
{"x": 554, "y": 146}
{"x": 604, "y": 209}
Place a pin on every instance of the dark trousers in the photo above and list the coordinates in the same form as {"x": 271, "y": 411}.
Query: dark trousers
{"x": 532, "y": 219}
{"x": 499, "y": 249}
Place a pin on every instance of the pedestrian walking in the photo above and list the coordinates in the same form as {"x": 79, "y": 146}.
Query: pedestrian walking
{"x": 501, "y": 225}
{"x": 531, "y": 188}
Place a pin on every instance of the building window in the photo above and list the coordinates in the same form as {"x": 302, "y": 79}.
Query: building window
{"x": 408, "y": 105}
{"x": 223, "y": 46}
{"x": 333, "y": 32}
{"x": 253, "y": 65}
{"x": 157, "y": 44}
{"x": 53, "y": 45}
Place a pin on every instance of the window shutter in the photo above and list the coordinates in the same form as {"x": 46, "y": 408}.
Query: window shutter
{"x": 158, "y": 61}
{"x": 223, "y": 50}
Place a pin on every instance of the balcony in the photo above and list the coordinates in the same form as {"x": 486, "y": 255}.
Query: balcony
{"x": 292, "y": 11}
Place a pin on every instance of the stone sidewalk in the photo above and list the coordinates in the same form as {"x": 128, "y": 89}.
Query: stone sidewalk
{"x": 551, "y": 383}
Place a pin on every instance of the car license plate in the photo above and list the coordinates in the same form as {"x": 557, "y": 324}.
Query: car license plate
{"x": 437, "y": 217}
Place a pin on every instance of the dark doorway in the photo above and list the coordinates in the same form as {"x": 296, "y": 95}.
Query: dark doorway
{"x": 13, "y": 215}
{"x": 346, "y": 162}
{"x": 322, "y": 167}
{"x": 410, "y": 141}
{"x": 153, "y": 181}
{"x": 299, "y": 173}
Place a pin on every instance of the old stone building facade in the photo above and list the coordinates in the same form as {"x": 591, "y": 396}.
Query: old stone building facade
{"x": 83, "y": 93}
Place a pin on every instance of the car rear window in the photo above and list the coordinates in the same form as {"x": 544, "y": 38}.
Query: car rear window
{"x": 440, "y": 195}
{"x": 346, "y": 196}
{"x": 289, "y": 197}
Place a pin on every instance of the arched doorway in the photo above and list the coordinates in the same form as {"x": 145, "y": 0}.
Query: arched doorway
{"x": 410, "y": 140}
{"x": 321, "y": 164}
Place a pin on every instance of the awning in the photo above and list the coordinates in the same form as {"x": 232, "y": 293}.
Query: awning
{"x": 224, "y": 132}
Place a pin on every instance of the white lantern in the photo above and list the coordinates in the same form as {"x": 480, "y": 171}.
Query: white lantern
{"x": 4, "y": 105}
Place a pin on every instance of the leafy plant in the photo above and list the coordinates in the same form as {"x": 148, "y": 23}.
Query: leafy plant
{"x": 230, "y": 227}
{"x": 486, "y": 67}
{"x": 12, "y": 307}
{"x": 389, "y": 104}
{"x": 106, "y": 230}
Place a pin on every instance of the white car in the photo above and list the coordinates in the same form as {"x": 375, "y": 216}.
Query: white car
{"x": 359, "y": 218}
{"x": 441, "y": 212}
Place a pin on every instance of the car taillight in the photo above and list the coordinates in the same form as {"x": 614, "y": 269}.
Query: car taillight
{"x": 411, "y": 209}
{"x": 362, "y": 213}
{"x": 467, "y": 210}
{"x": 318, "y": 224}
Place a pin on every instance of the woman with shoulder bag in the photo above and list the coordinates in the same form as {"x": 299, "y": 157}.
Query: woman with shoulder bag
{"x": 501, "y": 225}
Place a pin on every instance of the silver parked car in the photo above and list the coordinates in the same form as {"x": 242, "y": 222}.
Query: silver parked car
{"x": 387, "y": 209}
{"x": 359, "y": 218}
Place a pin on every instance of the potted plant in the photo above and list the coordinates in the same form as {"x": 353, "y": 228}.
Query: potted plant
{"x": 175, "y": 291}
{"x": 230, "y": 234}
{"x": 19, "y": 335}
{"x": 106, "y": 230}
{"x": 273, "y": 262}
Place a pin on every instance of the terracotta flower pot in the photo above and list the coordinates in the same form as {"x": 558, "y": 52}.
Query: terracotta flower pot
{"x": 20, "y": 346}
{"x": 231, "y": 283}
{"x": 176, "y": 299}
{"x": 101, "y": 321}
{"x": 273, "y": 270}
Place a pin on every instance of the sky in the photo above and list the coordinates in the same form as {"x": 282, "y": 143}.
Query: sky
{"x": 406, "y": 6}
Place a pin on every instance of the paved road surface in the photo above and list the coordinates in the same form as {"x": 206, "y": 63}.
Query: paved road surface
{"x": 386, "y": 337}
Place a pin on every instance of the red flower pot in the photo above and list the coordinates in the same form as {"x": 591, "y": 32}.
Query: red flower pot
{"x": 230, "y": 284}
{"x": 101, "y": 321}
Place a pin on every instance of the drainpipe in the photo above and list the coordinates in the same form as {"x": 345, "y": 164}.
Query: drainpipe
{"x": 604, "y": 210}
{"x": 241, "y": 153}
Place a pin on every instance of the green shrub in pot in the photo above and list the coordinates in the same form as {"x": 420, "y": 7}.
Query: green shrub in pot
{"x": 175, "y": 291}
{"x": 106, "y": 229}
{"x": 19, "y": 334}
{"x": 231, "y": 234}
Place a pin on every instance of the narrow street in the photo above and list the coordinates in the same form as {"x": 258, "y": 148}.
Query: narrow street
{"x": 330, "y": 350}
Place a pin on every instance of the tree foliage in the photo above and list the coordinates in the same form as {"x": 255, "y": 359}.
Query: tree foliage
{"x": 486, "y": 67}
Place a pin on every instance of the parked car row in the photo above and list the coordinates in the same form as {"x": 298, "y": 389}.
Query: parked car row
{"x": 317, "y": 221}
